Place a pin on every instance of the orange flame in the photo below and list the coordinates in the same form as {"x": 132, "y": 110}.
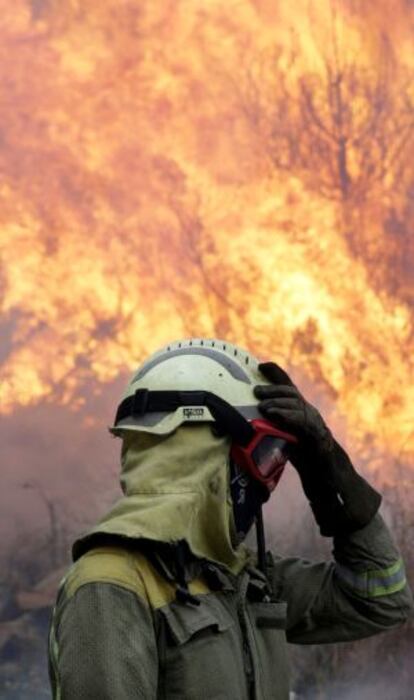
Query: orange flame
{"x": 189, "y": 168}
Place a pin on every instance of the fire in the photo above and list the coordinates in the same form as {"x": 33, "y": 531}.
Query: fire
{"x": 239, "y": 170}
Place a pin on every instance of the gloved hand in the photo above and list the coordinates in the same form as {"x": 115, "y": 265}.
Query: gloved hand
{"x": 341, "y": 500}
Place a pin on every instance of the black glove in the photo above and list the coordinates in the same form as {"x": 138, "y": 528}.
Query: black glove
{"x": 341, "y": 500}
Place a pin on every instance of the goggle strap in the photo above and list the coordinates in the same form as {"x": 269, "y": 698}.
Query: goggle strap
{"x": 227, "y": 417}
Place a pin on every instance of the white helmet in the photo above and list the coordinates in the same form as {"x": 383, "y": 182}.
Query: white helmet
{"x": 192, "y": 366}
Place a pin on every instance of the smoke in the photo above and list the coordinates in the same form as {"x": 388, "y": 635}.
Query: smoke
{"x": 377, "y": 685}
{"x": 57, "y": 463}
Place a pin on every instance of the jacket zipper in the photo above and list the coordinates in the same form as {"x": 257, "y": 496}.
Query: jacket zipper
{"x": 247, "y": 652}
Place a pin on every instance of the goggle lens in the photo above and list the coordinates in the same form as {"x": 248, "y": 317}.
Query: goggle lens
{"x": 269, "y": 455}
{"x": 266, "y": 454}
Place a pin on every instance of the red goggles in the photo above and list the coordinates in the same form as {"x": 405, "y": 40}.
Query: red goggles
{"x": 265, "y": 456}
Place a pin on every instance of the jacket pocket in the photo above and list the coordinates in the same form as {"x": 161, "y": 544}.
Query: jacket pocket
{"x": 184, "y": 622}
{"x": 269, "y": 621}
{"x": 200, "y": 656}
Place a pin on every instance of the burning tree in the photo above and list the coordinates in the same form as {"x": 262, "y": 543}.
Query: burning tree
{"x": 344, "y": 126}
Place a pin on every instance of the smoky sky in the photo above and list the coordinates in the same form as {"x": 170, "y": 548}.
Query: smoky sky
{"x": 54, "y": 453}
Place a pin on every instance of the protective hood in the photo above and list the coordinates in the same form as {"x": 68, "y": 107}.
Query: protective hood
{"x": 176, "y": 487}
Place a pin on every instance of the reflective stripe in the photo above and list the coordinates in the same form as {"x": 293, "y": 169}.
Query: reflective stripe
{"x": 224, "y": 360}
{"x": 374, "y": 583}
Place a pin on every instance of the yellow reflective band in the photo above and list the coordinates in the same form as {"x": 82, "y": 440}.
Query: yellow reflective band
{"x": 372, "y": 584}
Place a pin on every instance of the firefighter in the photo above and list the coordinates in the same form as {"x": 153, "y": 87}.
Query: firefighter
{"x": 164, "y": 599}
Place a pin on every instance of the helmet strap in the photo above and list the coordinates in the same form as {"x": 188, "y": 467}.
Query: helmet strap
{"x": 227, "y": 417}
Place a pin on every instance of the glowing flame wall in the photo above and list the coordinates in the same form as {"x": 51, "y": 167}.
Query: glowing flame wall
{"x": 231, "y": 169}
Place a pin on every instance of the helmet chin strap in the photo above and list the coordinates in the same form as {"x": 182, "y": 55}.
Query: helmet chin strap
{"x": 261, "y": 544}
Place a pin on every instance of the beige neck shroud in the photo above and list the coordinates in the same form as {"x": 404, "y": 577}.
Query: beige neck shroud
{"x": 176, "y": 487}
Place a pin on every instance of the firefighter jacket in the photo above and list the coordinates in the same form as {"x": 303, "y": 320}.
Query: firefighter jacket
{"x": 124, "y": 627}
